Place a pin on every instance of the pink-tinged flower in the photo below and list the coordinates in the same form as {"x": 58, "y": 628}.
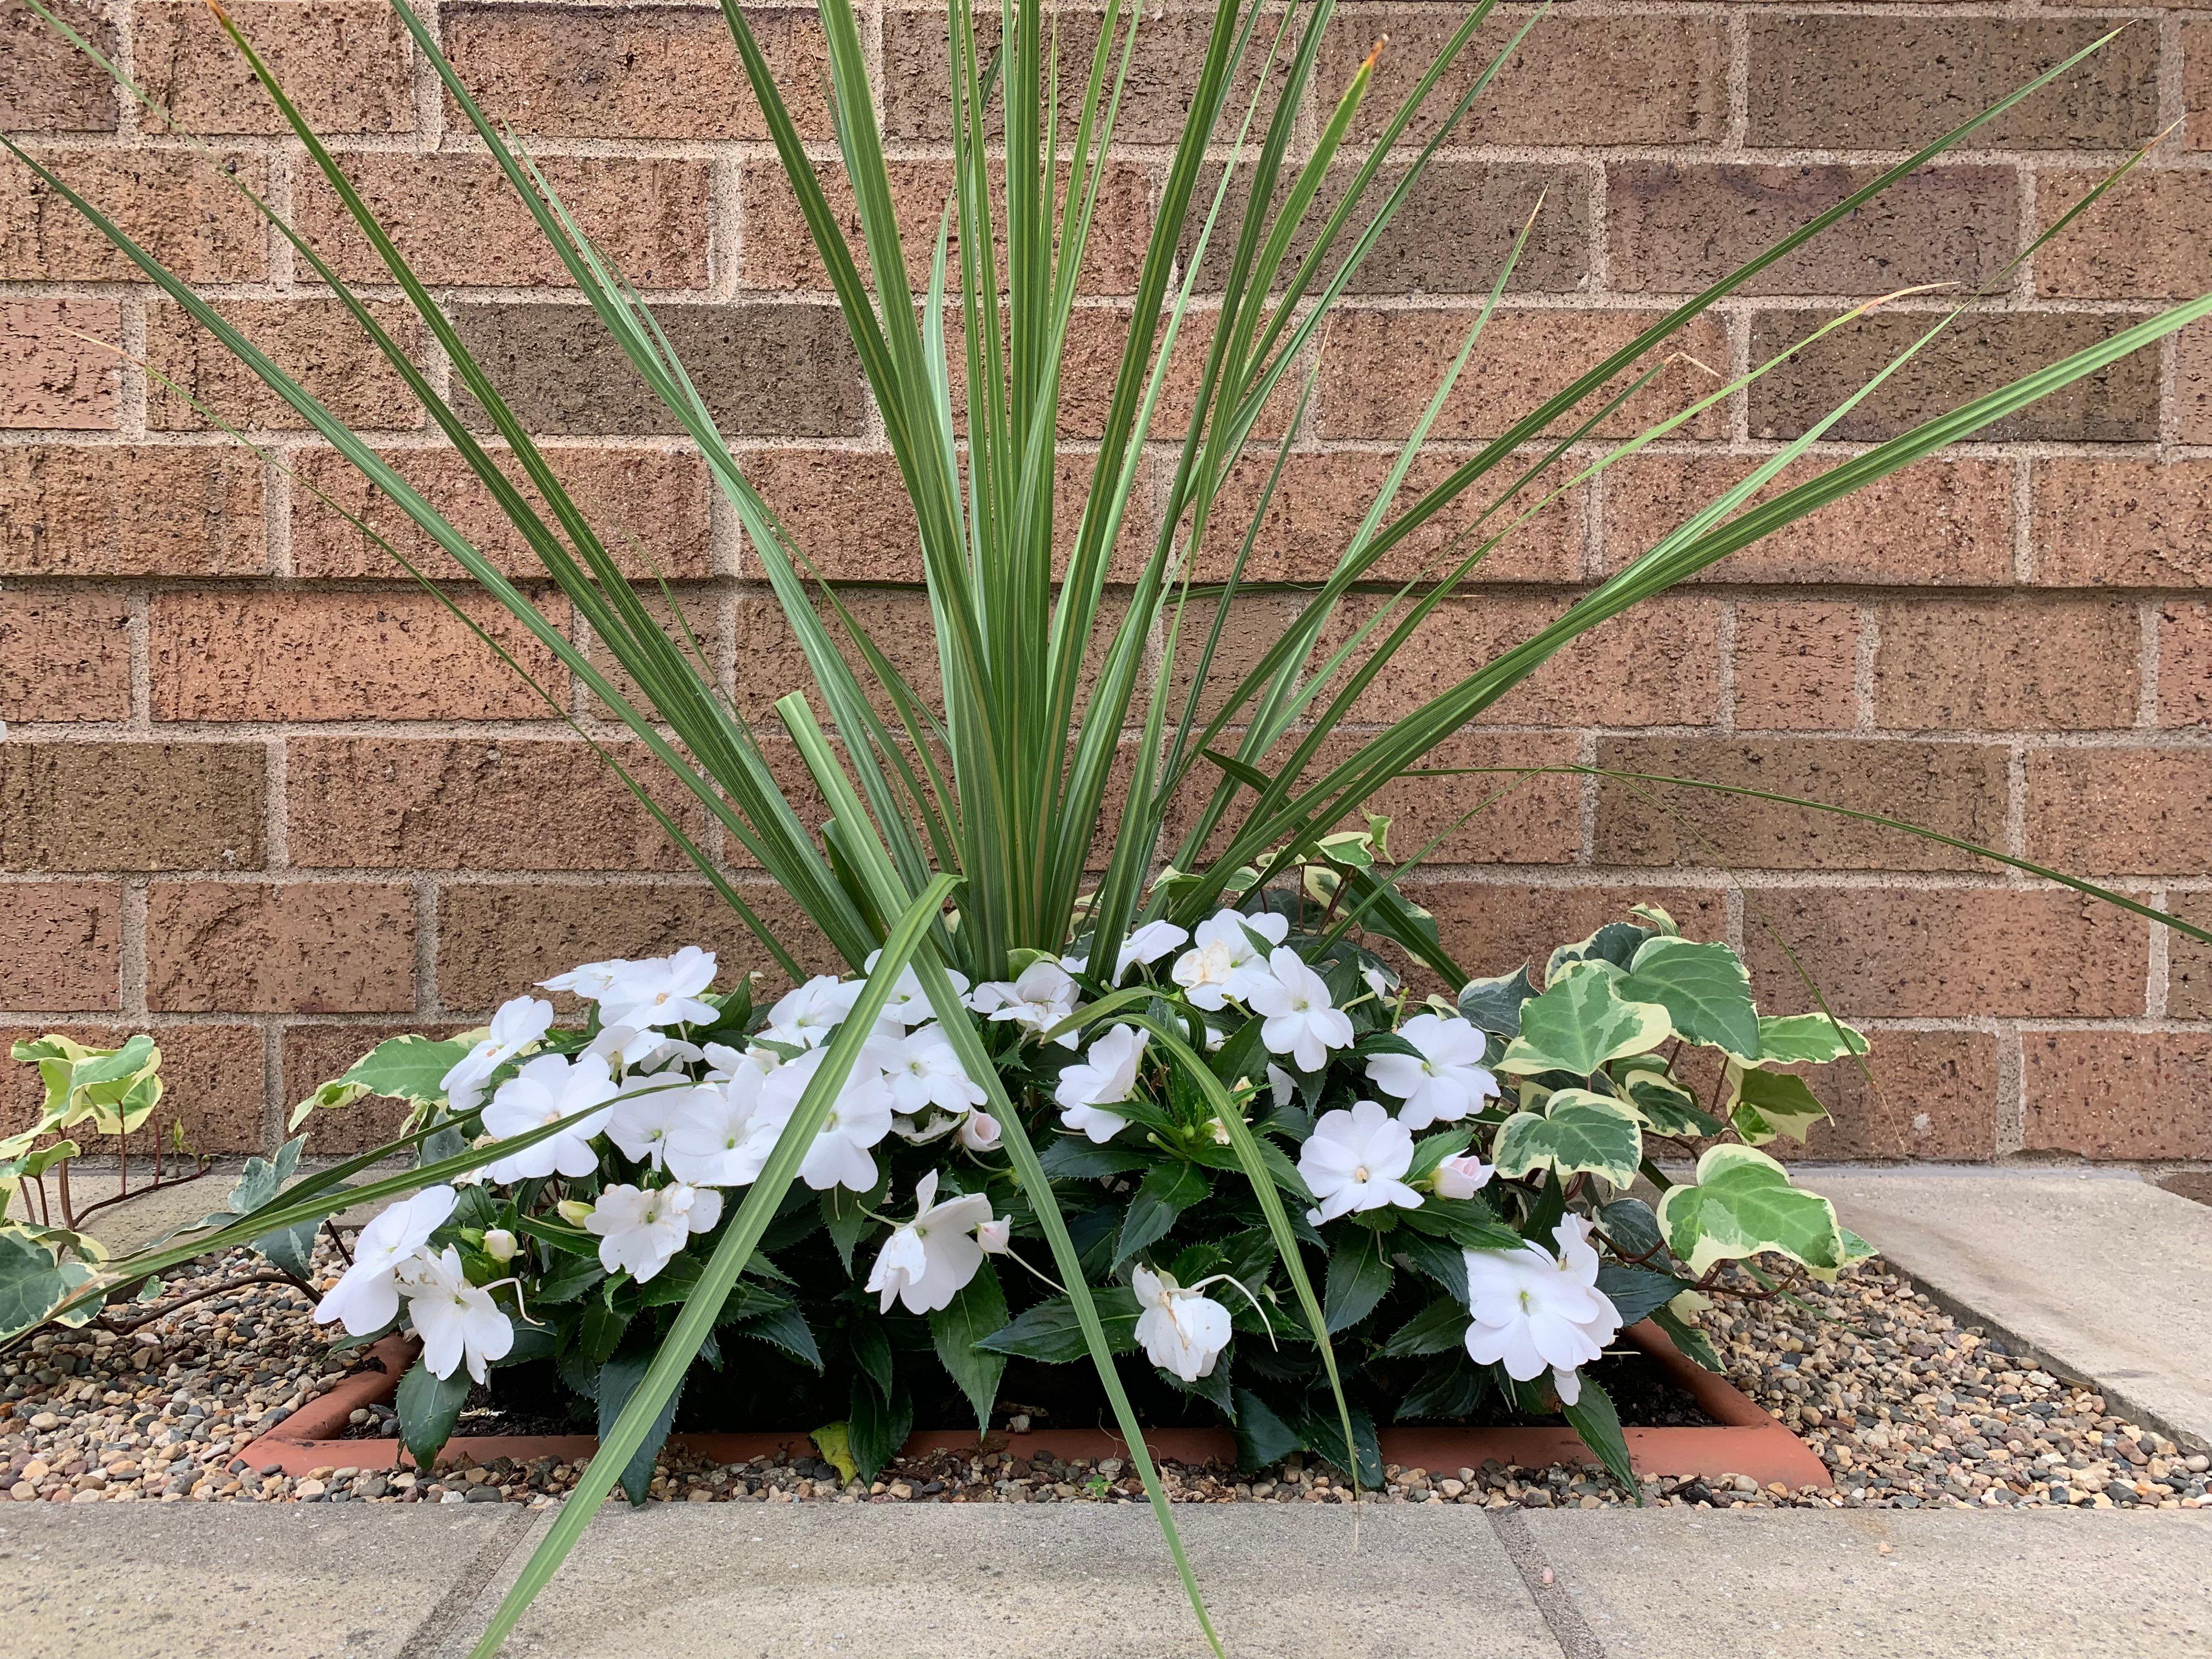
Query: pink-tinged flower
{"x": 980, "y": 1133}
{"x": 367, "y": 1298}
{"x": 1446, "y": 1081}
{"x": 642, "y": 1232}
{"x": 1460, "y": 1177}
{"x": 458, "y": 1321}
{"x": 1533, "y": 1311}
{"x": 1106, "y": 1077}
{"x": 928, "y": 1261}
{"x": 1298, "y": 1018}
{"x": 545, "y": 1091}
{"x": 1356, "y": 1160}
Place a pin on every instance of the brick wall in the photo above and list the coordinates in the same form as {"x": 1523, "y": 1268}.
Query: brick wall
{"x": 266, "y": 799}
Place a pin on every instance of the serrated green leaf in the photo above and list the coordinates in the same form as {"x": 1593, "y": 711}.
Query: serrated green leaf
{"x": 1438, "y": 1328}
{"x": 428, "y": 1407}
{"x": 1360, "y": 1276}
{"x": 877, "y": 1427}
{"x": 1742, "y": 1205}
{"x": 1451, "y": 1388}
{"x": 1167, "y": 1190}
{"x": 979, "y": 1310}
{"x": 618, "y": 1381}
{"x": 1635, "y": 1292}
{"x": 1049, "y": 1331}
{"x": 1597, "y": 1422}
{"x": 1703, "y": 988}
{"x": 1580, "y": 1022}
{"x": 1579, "y": 1131}
{"x": 1262, "y": 1436}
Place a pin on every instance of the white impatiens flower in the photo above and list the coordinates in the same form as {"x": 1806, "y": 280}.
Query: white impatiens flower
{"x": 456, "y": 1320}
{"x": 545, "y": 1091}
{"x": 997, "y": 1237}
{"x": 642, "y": 1232}
{"x": 806, "y": 1016}
{"x": 924, "y": 1072}
{"x": 1223, "y": 964}
{"x": 642, "y": 1048}
{"x": 1460, "y": 1177}
{"x": 1445, "y": 1082}
{"x": 1147, "y": 945}
{"x": 861, "y": 1117}
{"x": 661, "y": 991}
{"x": 1108, "y": 1075}
{"x": 1180, "y": 1330}
{"x": 711, "y": 1143}
{"x": 1356, "y": 1160}
{"x": 649, "y": 1110}
{"x": 589, "y": 980}
{"x": 366, "y": 1299}
{"x": 907, "y": 1006}
{"x": 516, "y": 1026}
{"x": 927, "y": 1262}
{"x": 1298, "y": 1018}
{"x": 1282, "y": 1087}
{"x": 1533, "y": 1311}
{"x": 1039, "y": 999}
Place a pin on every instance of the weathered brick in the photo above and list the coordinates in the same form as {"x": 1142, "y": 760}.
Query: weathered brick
{"x": 310, "y": 656}
{"x": 1379, "y": 370}
{"x": 493, "y": 804}
{"x": 496, "y": 940}
{"x": 1960, "y": 664}
{"x": 47, "y": 85}
{"x": 580, "y": 71}
{"x": 1796, "y": 664}
{"x": 1934, "y": 1096}
{"x": 648, "y": 507}
{"x": 2124, "y": 523}
{"x": 456, "y": 221}
{"x": 1974, "y": 952}
{"x": 2132, "y": 811}
{"x": 175, "y": 203}
{"x": 2196, "y": 83}
{"x": 1658, "y": 667}
{"x": 131, "y": 510}
{"x": 50, "y": 376}
{"x": 2149, "y": 237}
{"x": 1531, "y": 819}
{"x": 2192, "y": 384}
{"x": 309, "y": 947}
{"x": 1452, "y": 234}
{"x": 2184, "y": 664}
{"x": 64, "y": 655}
{"x": 682, "y": 614}
{"x": 1677, "y": 227}
{"x": 2189, "y": 961}
{"x": 1956, "y": 788}
{"x": 313, "y": 1053}
{"x": 131, "y": 805}
{"x": 1975, "y": 355}
{"x": 778, "y": 252}
{"x": 1887, "y": 82}
{"x": 1494, "y": 927}
{"x": 65, "y": 946}
{"x": 213, "y": 1073}
{"x": 1623, "y": 79}
{"x": 774, "y": 370}
{"x": 347, "y": 64}
{"x": 1937, "y": 523}
{"x": 2120, "y": 1094}
{"x": 1321, "y": 499}
{"x": 316, "y": 342}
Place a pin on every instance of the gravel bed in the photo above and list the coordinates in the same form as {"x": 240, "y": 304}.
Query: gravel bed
{"x": 1906, "y": 1409}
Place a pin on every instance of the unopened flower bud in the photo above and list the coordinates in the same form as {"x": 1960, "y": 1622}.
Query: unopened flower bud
{"x": 996, "y": 1236}
{"x": 573, "y": 1211}
{"x": 500, "y": 1245}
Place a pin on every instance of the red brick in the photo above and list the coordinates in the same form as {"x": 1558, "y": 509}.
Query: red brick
{"x": 1956, "y": 788}
{"x": 496, "y": 940}
{"x": 493, "y": 804}
{"x": 293, "y": 948}
{"x": 315, "y": 1053}
{"x": 1976, "y": 355}
{"x": 46, "y": 84}
{"x": 1321, "y": 498}
{"x": 68, "y": 806}
{"x": 2196, "y": 83}
{"x": 1493, "y": 928}
{"x": 64, "y": 655}
{"x": 2184, "y": 664}
{"x": 648, "y": 507}
{"x": 1678, "y": 228}
{"x": 50, "y": 376}
{"x": 1933, "y": 1095}
{"x": 1974, "y": 952}
{"x": 581, "y": 71}
{"x": 1939, "y": 523}
{"x": 1882, "y": 80}
{"x": 1631, "y": 80}
{"x": 65, "y": 945}
{"x": 2124, "y": 523}
{"x": 2146, "y": 239}
{"x": 2189, "y": 961}
{"x": 2192, "y": 377}
{"x": 2120, "y": 1094}
{"x": 131, "y": 510}
{"x": 457, "y": 222}
{"x": 693, "y": 615}
{"x": 176, "y": 205}
{"x": 315, "y": 342}
{"x": 2133, "y": 811}
{"x": 1796, "y": 665}
{"x": 213, "y": 1076}
{"x": 1379, "y": 370}
{"x": 1961, "y": 665}
{"x": 292, "y": 655}
{"x": 347, "y": 64}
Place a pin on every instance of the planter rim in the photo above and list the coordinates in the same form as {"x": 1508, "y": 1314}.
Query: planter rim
{"x": 1747, "y": 1440}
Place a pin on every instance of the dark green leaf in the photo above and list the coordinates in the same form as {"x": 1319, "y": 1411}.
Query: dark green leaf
{"x": 977, "y": 1311}
{"x": 1438, "y": 1258}
{"x": 1166, "y": 1192}
{"x": 1634, "y": 1231}
{"x": 568, "y": 1280}
{"x": 1635, "y": 1292}
{"x": 846, "y": 1216}
{"x": 872, "y": 1351}
{"x": 1263, "y": 1438}
{"x": 1616, "y": 943}
{"x": 1322, "y": 1434}
{"x": 1438, "y": 1328}
{"x": 1073, "y": 1157}
{"x": 1049, "y": 1331}
{"x": 877, "y": 1426}
{"x": 1599, "y": 1424}
{"x": 1687, "y": 1337}
{"x": 1467, "y": 1222}
{"x": 428, "y": 1406}
{"x": 787, "y": 1328}
{"x": 1359, "y": 1277}
{"x": 618, "y": 1380}
{"x": 601, "y": 1332}
{"x": 1452, "y": 1388}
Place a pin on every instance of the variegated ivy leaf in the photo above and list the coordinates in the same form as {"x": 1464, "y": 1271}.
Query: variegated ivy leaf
{"x": 1765, "y": 1104}
{"x": 1667, "y": 1108}
{"x": 1580, "y": 1022}
{"x": 1790, "y": 1039}
{"x": 1616, "y": 943}
{"x": 32, "y": 1279}
{"x": 1579, "y": 1132}
{"x": 1656, "y": 916}
{"x": 1703, "y": 987}
{"x": 1743, "y": 1206}
{"x": 1494, "y": 1004}
{"x": 408, "y": 1068}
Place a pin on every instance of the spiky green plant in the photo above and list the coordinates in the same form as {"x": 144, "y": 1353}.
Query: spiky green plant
{"x": 1053, "y": 732}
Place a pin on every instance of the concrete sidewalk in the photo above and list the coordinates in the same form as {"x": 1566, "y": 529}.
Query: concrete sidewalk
{"x": 101, "y": 1582}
